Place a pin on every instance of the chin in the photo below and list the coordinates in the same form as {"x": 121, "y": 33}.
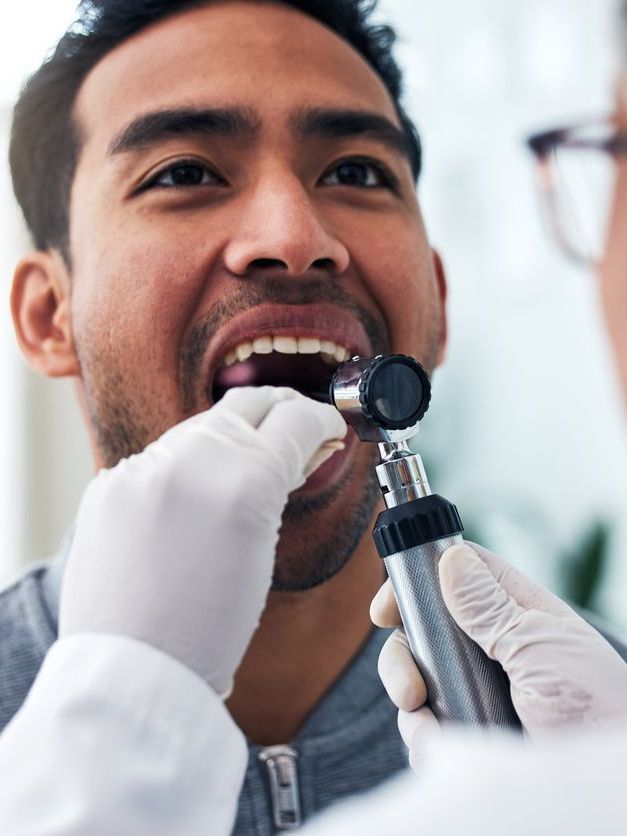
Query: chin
{"x": 323, "y": 527}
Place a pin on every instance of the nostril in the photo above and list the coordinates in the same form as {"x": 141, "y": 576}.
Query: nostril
{"x": 326, "y": 264}
{"x": 265, "y": 263}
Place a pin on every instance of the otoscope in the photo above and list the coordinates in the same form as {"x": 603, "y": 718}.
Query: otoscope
{"x": 383, "y": 399}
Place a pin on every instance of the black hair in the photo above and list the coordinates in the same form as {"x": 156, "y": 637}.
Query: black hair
{"x": 45, "y": 140}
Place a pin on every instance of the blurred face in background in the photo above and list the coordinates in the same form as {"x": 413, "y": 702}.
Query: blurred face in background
{"x": 613, "y": 267}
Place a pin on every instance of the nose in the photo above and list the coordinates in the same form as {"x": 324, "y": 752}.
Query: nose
{"x": 279, "y": 228}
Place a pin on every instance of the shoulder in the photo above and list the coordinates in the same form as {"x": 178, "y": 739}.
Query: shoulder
{"x": 28, "y": 627}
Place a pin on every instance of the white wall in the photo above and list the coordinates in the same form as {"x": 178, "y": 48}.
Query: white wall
{"x": 43, "y": 455}
{"x": 526, "y": 431}
{"x": 43, "y": 450}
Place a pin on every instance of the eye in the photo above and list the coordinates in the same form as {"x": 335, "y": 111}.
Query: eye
{"x": 184, "y": 174}
{"x": 360, "y": 173}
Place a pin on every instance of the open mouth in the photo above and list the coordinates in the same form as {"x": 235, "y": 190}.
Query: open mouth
{"x": 306, "y": 364}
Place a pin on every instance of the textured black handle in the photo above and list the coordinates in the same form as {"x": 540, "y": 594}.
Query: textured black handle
{"x": 463, "y": 684}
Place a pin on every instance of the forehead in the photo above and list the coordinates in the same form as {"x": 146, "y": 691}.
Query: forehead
{"x": 259, "y": 55}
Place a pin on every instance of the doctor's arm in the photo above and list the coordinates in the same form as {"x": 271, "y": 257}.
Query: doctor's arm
{"x": 125, "y": 730}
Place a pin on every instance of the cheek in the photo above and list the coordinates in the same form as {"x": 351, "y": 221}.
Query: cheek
{"x": 133, "y": 303}
{"x": 613, "y": 270}
{"x": 613, "y": 278}
{"x": 135, "y": 274}
{"x": 402, "y": 281}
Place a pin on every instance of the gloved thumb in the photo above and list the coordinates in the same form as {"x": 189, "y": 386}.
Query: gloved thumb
{"x": 477, "y": 601}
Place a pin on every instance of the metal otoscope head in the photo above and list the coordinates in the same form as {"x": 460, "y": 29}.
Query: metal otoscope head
{"x": 382, "y": 397}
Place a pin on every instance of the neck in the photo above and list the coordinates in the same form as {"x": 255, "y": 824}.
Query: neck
{"x": 302, "y": 645}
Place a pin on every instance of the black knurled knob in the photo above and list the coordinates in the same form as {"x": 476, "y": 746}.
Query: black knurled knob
{"x": 367, "y": 400}
{"x": 416, "y": 523}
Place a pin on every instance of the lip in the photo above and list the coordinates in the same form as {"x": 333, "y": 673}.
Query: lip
{"x": 332, "y": 470}
{"x": 324, "y": 321}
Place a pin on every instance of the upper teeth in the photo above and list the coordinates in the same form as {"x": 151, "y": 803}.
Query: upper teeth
{"x": 287, "y": 345}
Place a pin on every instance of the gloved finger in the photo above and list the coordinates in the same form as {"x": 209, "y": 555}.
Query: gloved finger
{"x": 477, "y": 601}
{"x": 296, "y": 428}
{"x": 384, "y": 609}
{"x": 399, "y": 673}
{"x": 235, "y": 416}
{"x": 524, "y": 591}
{"x": 253, "y": 403}
{"x": 252, "y": 409}
{"x": 415, "y": 727}
{"x": 322, "y": 455}
{"x": 301, "y": 433}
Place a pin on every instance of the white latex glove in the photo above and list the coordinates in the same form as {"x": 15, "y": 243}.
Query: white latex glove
{"x": 563, "y": 673}
{"x": 175, "y": 546}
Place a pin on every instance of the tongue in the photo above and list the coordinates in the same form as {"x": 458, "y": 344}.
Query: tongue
{"x": 305, "y": 372}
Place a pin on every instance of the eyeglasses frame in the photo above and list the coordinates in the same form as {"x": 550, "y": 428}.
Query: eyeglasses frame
{"x": 543, "y": 143}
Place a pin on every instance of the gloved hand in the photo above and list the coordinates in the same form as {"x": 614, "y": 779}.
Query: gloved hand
{"x": 563, "y": 673}
{"x": 175, "y": 546}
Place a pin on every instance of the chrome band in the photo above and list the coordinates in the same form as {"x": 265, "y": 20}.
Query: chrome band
{"x": 401, "y": 474}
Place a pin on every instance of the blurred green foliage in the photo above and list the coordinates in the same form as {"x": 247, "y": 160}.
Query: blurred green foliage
{"x": 583, "y": 569}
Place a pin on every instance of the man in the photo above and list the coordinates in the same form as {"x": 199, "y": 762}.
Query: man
{"x": 140, "y": 551}
{"x": 224, "y": 193}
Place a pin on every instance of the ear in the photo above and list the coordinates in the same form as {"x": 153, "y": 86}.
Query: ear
{"x": 440, "y": 276}
{"x": 40, "y": 306}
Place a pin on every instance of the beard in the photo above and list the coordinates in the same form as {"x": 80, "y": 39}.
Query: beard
{"x": 117, "y": 412}
{"x": 318, "y": 558}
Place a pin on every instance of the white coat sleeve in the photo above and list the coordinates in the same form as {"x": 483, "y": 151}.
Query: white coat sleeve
{"x": 482, "y": 785}
{"x": 117, "y": 737}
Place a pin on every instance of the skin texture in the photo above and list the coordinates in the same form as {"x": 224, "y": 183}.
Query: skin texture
{"x": 150, "y": 266}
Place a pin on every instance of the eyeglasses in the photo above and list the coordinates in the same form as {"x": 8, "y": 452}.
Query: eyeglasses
{"x": 577, "y": 168}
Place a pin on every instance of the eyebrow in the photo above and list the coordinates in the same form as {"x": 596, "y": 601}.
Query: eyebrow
{"x": 241, "y": 125}
{"x": 338, "y": 124}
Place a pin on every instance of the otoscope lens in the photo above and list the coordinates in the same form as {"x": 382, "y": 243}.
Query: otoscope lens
{"x": 396, "y": 392}
{"x": 386, "y": 392}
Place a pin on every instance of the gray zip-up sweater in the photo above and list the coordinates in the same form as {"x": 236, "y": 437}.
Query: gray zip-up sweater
{"x": 349, "y": 743}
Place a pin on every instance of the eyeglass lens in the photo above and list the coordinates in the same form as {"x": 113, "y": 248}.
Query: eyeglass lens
{"x": 583, "y": 182}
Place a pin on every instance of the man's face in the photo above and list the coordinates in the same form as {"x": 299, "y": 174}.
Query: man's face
{"x": 227, "y": 198}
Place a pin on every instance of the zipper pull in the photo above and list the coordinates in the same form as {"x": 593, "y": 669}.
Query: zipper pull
{"x": 280, "y": 762}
